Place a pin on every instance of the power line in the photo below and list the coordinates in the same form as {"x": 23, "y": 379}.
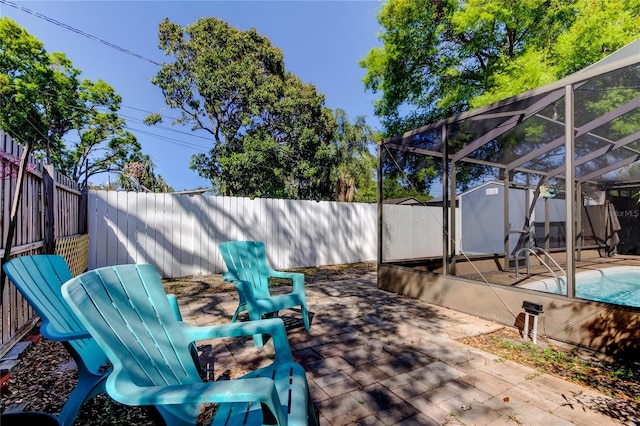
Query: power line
{"x": 166, "y": 128}
{"x": 77, "y": 31}
{"x": 193, "y": 146}
{"x": 174, "y": 141}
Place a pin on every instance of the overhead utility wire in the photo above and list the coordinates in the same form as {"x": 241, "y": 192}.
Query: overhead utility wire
{"x": 166, "y": 128}
{"x": 126, "y": 125}
{"x": 178, "y": 142}
{"x": 186, "y": 144}
{"x": 77, "y": 31}
{"x": 105, "y": 109}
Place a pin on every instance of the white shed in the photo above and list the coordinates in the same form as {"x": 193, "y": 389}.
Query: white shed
{"x": 482, "y": 211}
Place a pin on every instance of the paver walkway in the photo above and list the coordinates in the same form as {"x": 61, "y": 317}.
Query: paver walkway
{"x": 376, "y": 358}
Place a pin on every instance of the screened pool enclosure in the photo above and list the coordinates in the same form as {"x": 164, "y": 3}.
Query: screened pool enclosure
{"x": 513, "y": 173}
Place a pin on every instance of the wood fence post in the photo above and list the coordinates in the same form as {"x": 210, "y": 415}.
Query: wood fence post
{"x": 49, "y": 194}
{"x": 83, "y": 211}
{"x": 13, "y": 216}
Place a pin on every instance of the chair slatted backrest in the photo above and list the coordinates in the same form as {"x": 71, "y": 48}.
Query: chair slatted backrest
{"x": 247, "y": 261}
{"x": 143, "y": 321}
{"x": 135, "y": 324}
{"x": 39, "y": 279}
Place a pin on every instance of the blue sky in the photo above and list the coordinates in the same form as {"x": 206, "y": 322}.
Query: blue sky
{"x": 322, "y": 42}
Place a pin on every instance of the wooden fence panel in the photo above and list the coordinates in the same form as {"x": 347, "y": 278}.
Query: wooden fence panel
{"x": 140, "y": 232}
{"x": 132, "y": 227}
{"x": 111, "y": 236}
{"x": 66, "y": 207}
{"x": 30, "y": 237}
{"x": 213, "y": 223}
{"x": 16, "y": 312}
{"x": 122, "y": 233}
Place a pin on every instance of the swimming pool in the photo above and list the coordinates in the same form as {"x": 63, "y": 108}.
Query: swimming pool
{"x": 618, "y": 284}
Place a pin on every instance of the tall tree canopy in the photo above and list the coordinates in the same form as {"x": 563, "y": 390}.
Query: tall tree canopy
{"x": 44, "y": 99}
{"x": 441, "y": 58}
{"x": 271, "y": 133}
{"x": 39, "y": 91}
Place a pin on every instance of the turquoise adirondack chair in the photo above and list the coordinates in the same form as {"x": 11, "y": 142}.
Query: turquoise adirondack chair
{"x": 39, "y": 279}
{"x": 247, "y": 269}
{"x": 126, "y": 310}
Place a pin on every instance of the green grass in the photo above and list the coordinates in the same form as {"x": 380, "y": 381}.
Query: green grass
{"x": 615, "y": 378}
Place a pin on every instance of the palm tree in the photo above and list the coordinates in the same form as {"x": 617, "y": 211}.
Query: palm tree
{"x": 355, "y": 170}
{"x": 139, "y": 176}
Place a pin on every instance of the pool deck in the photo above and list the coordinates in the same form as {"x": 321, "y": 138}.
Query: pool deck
{"x": 539, "y": 273}
{"x": 376, "y": 358}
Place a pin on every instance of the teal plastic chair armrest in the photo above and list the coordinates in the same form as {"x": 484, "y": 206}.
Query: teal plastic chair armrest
{"x": 49, "y": 331}
{"x": 237, "y": 390}
{"x": 259, "y": 389}
{"x": 173, "y": 301}
{"x": 228, "y": 276}
{"x": 297, "y": 278}
{"x": 274, "y": 327}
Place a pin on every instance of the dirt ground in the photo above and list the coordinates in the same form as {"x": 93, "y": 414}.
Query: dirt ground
{"x": 210, "y": 284}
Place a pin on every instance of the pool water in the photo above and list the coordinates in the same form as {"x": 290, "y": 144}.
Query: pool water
{"x": 619, "y": 285}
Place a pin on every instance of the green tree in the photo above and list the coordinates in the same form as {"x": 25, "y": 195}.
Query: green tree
{"x": 101, "y": 144}
{"x": 44, "y": 100}
{"x": 271, "y": 132}
{"x": 354, "y": 173}
{"x": 38, "y": 104}
{"x": 590, "y": 30}
{"x": 138, "y": 175}
{"x": 408, "y": 175}
{"x": 441, "y": 58}
{"x": 438, "y": 55}
{"x": 39, "y": 91}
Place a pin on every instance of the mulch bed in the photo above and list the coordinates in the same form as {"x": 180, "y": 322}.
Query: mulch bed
{"x": 43, "y": 380}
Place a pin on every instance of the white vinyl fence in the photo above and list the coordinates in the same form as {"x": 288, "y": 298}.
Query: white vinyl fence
{"x": 179, "y": 233}
{"x": 412, "y": 232}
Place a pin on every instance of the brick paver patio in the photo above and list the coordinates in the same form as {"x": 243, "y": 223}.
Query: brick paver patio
{"x": 376, "y": 358}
